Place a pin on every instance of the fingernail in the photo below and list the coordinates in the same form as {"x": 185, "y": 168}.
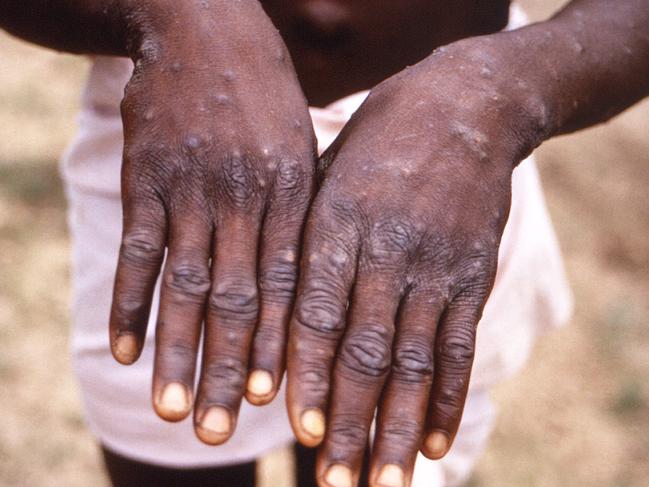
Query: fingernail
{"x": 125, "y": 348}
{"x": 313, "y": 423}
{"x": 339, "y": 476}
{"x": 437, "y": 444}
{"x": 260, "y": 383}
{"x": 215, "y": 426}
{"x": 174, "y": 402}
{"x": 391, "y": 476}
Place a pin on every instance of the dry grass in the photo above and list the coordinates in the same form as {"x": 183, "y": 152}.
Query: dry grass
{"x": 578, "y": 415}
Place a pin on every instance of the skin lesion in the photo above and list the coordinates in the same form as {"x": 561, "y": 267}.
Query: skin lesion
{"x": 235, "y": 301}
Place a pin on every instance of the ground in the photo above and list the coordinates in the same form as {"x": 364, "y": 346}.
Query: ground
{"x": 577, "y": 416}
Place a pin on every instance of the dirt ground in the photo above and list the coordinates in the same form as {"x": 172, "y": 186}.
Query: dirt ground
{"x": 577, "y": 416}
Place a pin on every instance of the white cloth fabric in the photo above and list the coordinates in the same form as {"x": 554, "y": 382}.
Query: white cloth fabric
{"x": 530, "y": 296}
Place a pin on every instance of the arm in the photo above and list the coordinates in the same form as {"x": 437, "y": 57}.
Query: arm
{"x": 401, "y": 243}
{"x": 219, "y": 158}
{"x": 592, "y": 61}
{"x": 83, "y": 27}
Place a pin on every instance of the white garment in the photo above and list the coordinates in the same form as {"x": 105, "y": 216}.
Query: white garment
{"x": 530, "y": 295}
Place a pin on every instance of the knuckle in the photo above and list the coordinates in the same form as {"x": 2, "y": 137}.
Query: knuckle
{"x": 269, "y": 339}
{"x": 277, "y": 278}
{"x": 401, "y": 431}
{"x": 177, "y": 351}
{"x": 367, "y": 351}
{"x": 448, "y": 401}
{"x": 320, "y": 309}
{"x": 474, "y": 285}
{"x": 130, "y": 311}
{"x": 444, "y": 410}
{"x": 291, "y": 176}
{"x": 438, "y": 255}
{"x": 413, "y": 361}
{"x": 472, "y": 295}
{"x": 235, "y": 301}
{"x": 149, "y": 171}
{"x": 348, "y": 433}
{"x": 238, "y": 181}
{"x": 188, "y": 279}
{"x": 315, "y": 379}
{"x": 226, "y": 373}
{"x": 142, "y": 246}
{"x": 392, "y": 240}
{"x": 456, "y": 348}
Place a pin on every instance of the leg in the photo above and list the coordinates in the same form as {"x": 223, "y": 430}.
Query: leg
{"x": 124, "y": 472}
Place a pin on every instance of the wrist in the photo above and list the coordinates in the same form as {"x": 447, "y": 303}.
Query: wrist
{"x": 490, "y": 84}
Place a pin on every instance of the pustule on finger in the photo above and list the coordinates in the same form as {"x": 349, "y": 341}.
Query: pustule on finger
{"x": 195, "y": 141}
{"x": 215, "y": 426}
{"x": 229, "y": 75}
{"x": 260, "y": 387}
{"x": 289, "y": 256}
{"x": 174, "y": 402}
{"x": 126, "y": 348}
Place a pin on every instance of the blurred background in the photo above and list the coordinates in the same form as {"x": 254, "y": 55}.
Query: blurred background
{"x": 577, "y": 416}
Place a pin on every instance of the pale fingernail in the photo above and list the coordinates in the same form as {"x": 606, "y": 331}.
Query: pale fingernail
{"x": 125, "y": 348}
{"x": 313, "y": 423}
{"x": 174, "y": 402}
{"x": 339, "y": 476}
{"x": 215, "y": 426}
{"x": 260, "y": 383}
{"x": 437, "y": 444}
{"x": 391, "y": 476}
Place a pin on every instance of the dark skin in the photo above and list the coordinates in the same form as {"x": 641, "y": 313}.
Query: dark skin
{"x": 405, "y": 227}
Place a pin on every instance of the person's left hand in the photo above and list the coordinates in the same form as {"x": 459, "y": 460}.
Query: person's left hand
{"x": 400, "y": 255}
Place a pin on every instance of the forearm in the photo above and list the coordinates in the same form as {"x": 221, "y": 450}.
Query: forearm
{"x": 586, "y": 64}
{"x": 79, "y": 26}
{"x": 121, "y": 27}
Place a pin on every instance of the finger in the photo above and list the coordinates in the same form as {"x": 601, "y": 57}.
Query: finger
{"x": 362, "y": 365}
{"x": 140, "y": 258}
{"x": 277, "y": 279}
{"x": 231, "y": 318}
{"x": 400, "y": 423}
{"x": 185, "y": 284}
{"x": 318, "y": 322}
{"x": 454, "y": 351}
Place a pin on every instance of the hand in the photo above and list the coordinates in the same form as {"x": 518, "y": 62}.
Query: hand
{"x": 218, "y": 169}
{"x": 400, "y": 255}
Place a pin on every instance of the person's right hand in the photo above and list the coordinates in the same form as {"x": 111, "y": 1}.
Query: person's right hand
{"x": 218, "y": 169}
